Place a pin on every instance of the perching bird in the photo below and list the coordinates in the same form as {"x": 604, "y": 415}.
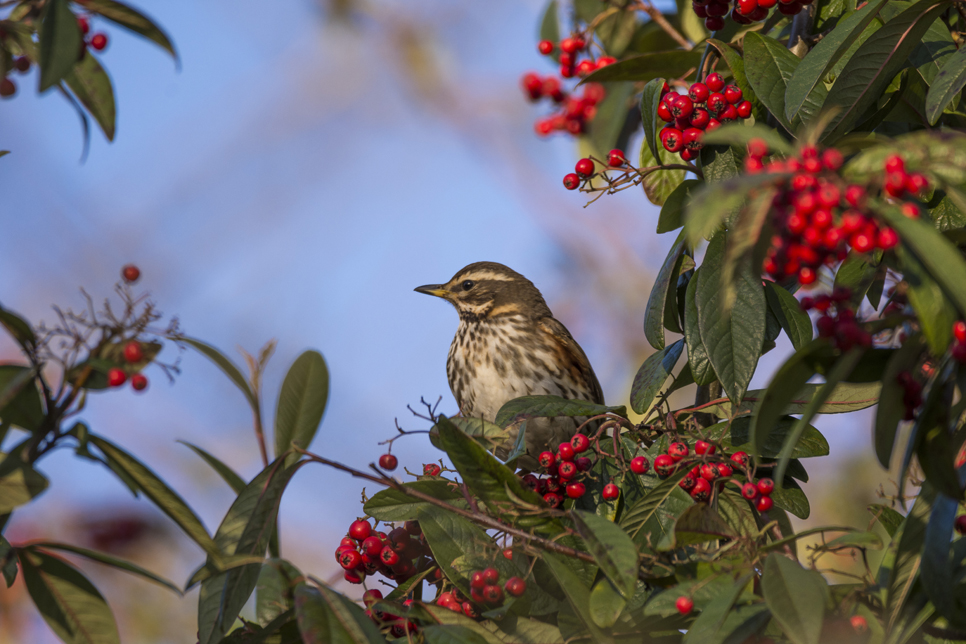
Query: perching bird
{"x": 508, "y": 345}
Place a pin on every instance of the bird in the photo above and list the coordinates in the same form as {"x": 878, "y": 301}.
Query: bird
{"x": 509, "y": 344}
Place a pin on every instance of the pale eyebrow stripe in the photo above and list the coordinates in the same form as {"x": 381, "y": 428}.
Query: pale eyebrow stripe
{"x": 486, "y": 275}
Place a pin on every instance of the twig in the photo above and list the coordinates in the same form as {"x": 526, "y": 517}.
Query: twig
{"x": 659, "y": 18}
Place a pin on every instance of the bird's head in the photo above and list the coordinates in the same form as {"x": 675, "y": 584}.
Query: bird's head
{"x": 489, "y": 290}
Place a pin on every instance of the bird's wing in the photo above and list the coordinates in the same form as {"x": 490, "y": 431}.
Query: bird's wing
{"x": 573, "y": 356}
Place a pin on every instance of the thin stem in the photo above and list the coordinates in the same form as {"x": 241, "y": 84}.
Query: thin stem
{"x": 668, "y": 28}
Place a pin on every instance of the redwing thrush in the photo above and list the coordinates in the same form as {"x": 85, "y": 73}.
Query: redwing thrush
{"x": 508, "y": 344}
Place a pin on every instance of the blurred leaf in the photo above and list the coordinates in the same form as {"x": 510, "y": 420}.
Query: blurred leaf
{"x": 60, "y": 43}
{"x": 887, "y": 517}
{"x": 947, "y": 85}
{"x": 718, "y": 202}
{"x": 868, "y": 540}
{"x": 274, "y": 591}
{"x": 607, "y": 130}
{"x": 940, "y": 153}
{"x": 451, "y": 634}
{"x": 550, "y": 28}
{"x": 605, "y": 604}
{"x": 650, "y": 98}
{"x": 638, "y": 514}
{"x": 652, "y": 376}
{"x": 669, "y": 64}
{"x": 770, "y": 66}
{"x": 167, "y": 500}
{"x": 234, "y": 481}
{"x": 578, "y": 594}
{"x": 660, "y": 184}
{"x": 612, "y": 549}
{"x": 739, "y": 135}
{"x": 67, "y": 601}
{"x": 734, "y": 337}
{"x": 892, "y": 409}
{"x": 903, "y": 557}
{"x": 700, "y": 523}
{"x": 393, "y": 505}
{"x": 936, "y": 314}
{"x": 8, "y": 562}
{"x": 225, "y": 365}
{"x": 796, "y": 598}
{"x": 945, "y": 209}
{"x": 451, "y": 537}
{"x": 616, "y": 31}
{"x": 550, "y": 406}
{"x": 875, "y": 63}
{"x": 810, "y": 443}
{"x": 666, "y": 280}
{"x": 821, "y": 58}
{"x": 938, "y": 567}
{"x": 698, "y": 359}
{"x": 106, "y": 559}
{"x": 795, "y": 322}
{"x": 92, "y": 87}
{"x": 672, "y": 212}
{"x": 20, "y": 402}
{"x": 856, "y": 273}
{"x": 18, "y": 328}
{"x": 301, "y": 404}
{"x": 326, "y": 617}
{"x": 19, "y": 484}
{"x": 130, "y": 18}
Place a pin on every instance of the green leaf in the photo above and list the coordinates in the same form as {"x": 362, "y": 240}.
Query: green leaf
{"x": 451, "y": 634}
{"x": 701, "y": 591}
{"x": 650, "y": 99}
{"x": 946, "y": 209}
{"x": 19, "y": 484}
{"x": 734, "y": 337}
{"x": 20, "y": 402}
{"x": 578, "y": 594}
{"x": 393, "y": 505}
{"x": 274, "y": 591}
{"x": 718, "y": 202}
{"x": 938, "y": 567}
{"x": 770, "y": 66}
{"x": 795, "y": 322}
{"x": 707, "y": 628}
{"x": 698, "y": 359}
{"x": 92, "y": 87}
{"x": 326, "y": 617}
{"x": 891, "y": 409}
{"x": 234, "y": 481}
{"x": 130, "y": 18}
{"x": 660, "y": 184}
{"x": 638, "y": 514}
{"x": 106, "y": 559}
{"x": 887, "y": 517}
{"x": 167, "y": 500}
{"x": 60, "y": 43}
{"x": 796, "y": 598}
{"x": 739, "y": 135}
{"x": 869, "y": 540}
{"x": 451, "y": 537}
{"x": 301, "y": 403}
{"x": 947, "y": 85}
{"x": 550, "y": 406}
{"x": 68, "y": 602}
{"x": 606, "y": 604}
{"x": 821, "y": 58}
{"x": 226, "y": 365}
{"x": 550, "y": 27}
{"x": 900, "y": 567}
{"x": 698, "y": 524}
{"x": 669, "y": 64}
{"x": 606, "y": 130}
{"x": 612, "y": 549}
{"x": 666, "y": 279}
{"x": 672, "y": 212}
{"x": 736, "y": 63}
{"x": 875, "y": 64}
{"x": 810, "y": 443}
{"x": 936, "y": 314}
{"x": 18, "y": 328}
{"x": 790, "y": 497}
{"x": 652, "y": 376}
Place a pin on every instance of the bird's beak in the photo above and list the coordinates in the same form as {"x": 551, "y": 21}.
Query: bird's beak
{"x": 432, "y": 289}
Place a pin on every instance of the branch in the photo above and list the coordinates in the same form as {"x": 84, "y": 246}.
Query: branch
{"x": 659, "y": 18}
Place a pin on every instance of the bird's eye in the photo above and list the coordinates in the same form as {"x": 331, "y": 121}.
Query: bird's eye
{"x": 467, "y": 285}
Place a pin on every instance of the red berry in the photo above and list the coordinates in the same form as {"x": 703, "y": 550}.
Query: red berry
{"x": 545, "y": 47}
{"x": 508, "y": 554}
{"x": 692, "y": 138}
{"x": 687, "y": 483}
{"x": 717, "y": 104}
{"x": 353, "y": 577}
{"x": 580, "y": 443}
{"x": 372, "y": 546}
{"x": 916, "y": 183}
{"x": 83, "y": 24}
{"x": 360, "y": 530}
{"x": 604, "y": 61}
{"x": 583, "y": 463}
{"x": 663, "y": 465}
{"x": 701, "y": 490}
{"x": 371, "y": 596}
{"x": 806, "y": 275}
{"x": 493, "y": 594}
{"x": 22, "y": 63}
{"x": 431, "y": 469}
{"x": 699, "y": 118}
{"x": 611, "y": 492}
{"x": 672, "y": 139}
{"x": 858, "y": 623}
{"x": 388, "y": 462}
{"x": 714, "y": 23}
{"x": 130, "y": 273}
{"x": 687, "y": 154}
{"x": 576, "y": 490}
{"x": 664, "y": 112}
{"x": 709, "y": 471}
{"x": 886, "y": 238}
{"x": 547, "y": 459}
{"x": 910, "y": 210}
{"x": 684, "y": 605}
{"x": 714, "y": 82}
{"x": 732, "y": 93}
{"x": 99, "y": 41}
{"x": 491, "y": 575}
{"x": 749, "y": 491}
{"x": 515, "y": 586}
{"x": 961, "y": 524}
{"x": 139, "y": 382}
{"x": 640, "y": 465}
{"x": 681, "y": 106}
{"x": 568, "y": 45}
{"x": 895, "y": 163}
{"x": 766, "y": 486}
{"x": 744, "y": 109}
{"x": 133, "y": 351}
{"x": 703, "y": 447}
{"x": 552, "y": 499}
{"x": 757, "y": 148}
{"x": 615, "y": 158}
{"x": 116, "y": 377}
{"x": 567, "y": 470}
{"x": 677, "y": 451}
{"x": 585, "y": 67}
{"x": 895, "y": 184}
{"x": 764, "y": 504}
{"x": 740, "y": 458}
{"x": 584, "y": 167}
{"x": 699, "y": 92}
{"x": 832, "y": 159}
{"x": 566, "y": 452}
{"x": 724, "y": 470}
{"x": 959, "y": 330}
{"x": 861, "y": 242}
{"x": 571, "y": 181}
{"x": 350, "y": 559}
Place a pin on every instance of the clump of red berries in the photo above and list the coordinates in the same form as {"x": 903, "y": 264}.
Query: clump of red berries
{"x": 704, "y": 107}
{"x": 397, "y": 555}
{"x": 744, "y": 12}
{"x": 586, "y": 169}
{"x": 564, "y": 469}
{"x": 485, "y": 587}
{"x": 133, "y": 353}
{"x": 817, "y": 215}
{"x": 837, "y": 320}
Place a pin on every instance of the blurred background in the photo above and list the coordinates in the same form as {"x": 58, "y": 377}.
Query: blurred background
{"x": 309, "y": 165}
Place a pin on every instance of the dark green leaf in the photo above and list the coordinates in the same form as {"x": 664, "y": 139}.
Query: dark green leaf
{"x": 301, "y": 403}
{"x": 606, "y": 603}
{"x": 92, "y": 87}
{"x": 20, "y": 402}
{"x": 869, "y": 540}
{"x": 612, "y": 549}
{"x": 669, "y": 64}
{"x": 274, "y": 591}
{"x": 887, "y": 517}
{"x": 605, "y": 131}
{"x": 638, "y": 514}
{"x": 791, "y": 498}
{"x": 701, "y": 591}
{"x": 393, "y": 505}
{"x": 225, "y": 365}
{"x": 770, "y": 66}
{"x": 736, "y": 63}
{"x": 810, "y": 443}
{"x": 234, "y": 481}
{"x": 130, "y": 18}
{"x": 936, "y": 314}
{"x": 946, "y": 209}
{"x": 875, "y": 63}
{"x": 8, "y": 562}
{"x": 167, "y": 500}
{"x": 856, "y": 273}
{"x": 451, "y": 537}
{"x": 326, "y": 617}
{"x": 660, "y": 184}
{"x": 18, "y": 328}
{"x": 19, "y": 484}
{"x": 947, "y": 85}
{"x": 937, "y": 566}
{"x": 672, "y": 212}
{"x": 796, "y": 598}
{"x": 60, "y": 43}
{"x": 734, "y": 337}
{"x": 666, "y": 279}
{"x": 67, "y": 601}
{"x": 891, "y": 409}
{"x": 820, "y": 59}
{"x": 578, "y": 594}
{"x": 452, "y": 634}
{"x": 903, "y": 557}
{"x": 550, "y": 406}
{"x": 107, "y": 560}
{"x": 700, "y": 523}
{"x": 652, "y": 375}
{"x": 794, "y": 321}
{"x": 698, "y": 359}
{"x": 650, "y": 98}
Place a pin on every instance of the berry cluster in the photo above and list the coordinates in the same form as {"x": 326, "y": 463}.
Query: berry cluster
{"x": 705, "y": 106}
{"x": 563, "y": 468}
{"x": 397, "y": 555}
{"x": 744, "y": 12}
{"x": 837, "y": 321}
{"x": 97, "y": 41}
{"x": 587, "y": 169}
{"x": 485, "y": 588}
{"x": 398, "y": 626}
{"x": 818, "y": 216}
{"x": 7, "y": 87}
{"x": 571, "y": 49}
{"x": 133, "y": 353}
